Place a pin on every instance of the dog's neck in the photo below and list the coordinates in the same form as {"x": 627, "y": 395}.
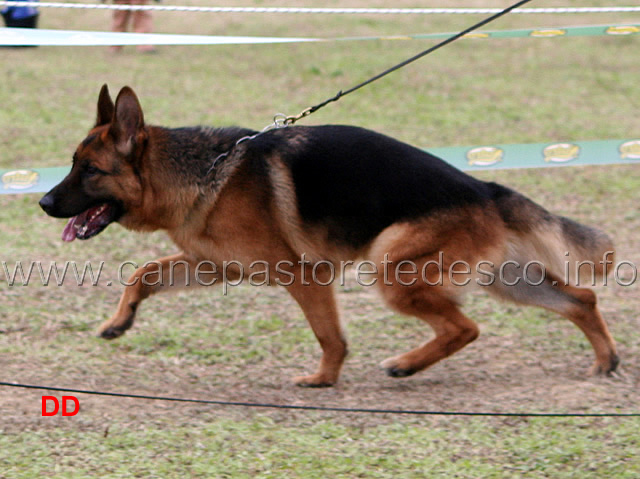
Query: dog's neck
{"x": 184, "y": 157}
{"x": 193, "y": 150}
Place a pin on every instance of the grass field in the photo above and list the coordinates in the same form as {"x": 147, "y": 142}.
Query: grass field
{"x": 245, "y": 346}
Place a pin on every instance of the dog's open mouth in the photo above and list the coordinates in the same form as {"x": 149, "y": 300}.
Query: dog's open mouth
{"x": 90, "y": 222}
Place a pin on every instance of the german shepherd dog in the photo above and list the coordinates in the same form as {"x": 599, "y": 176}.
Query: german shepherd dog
{"x": 329, "y": 194}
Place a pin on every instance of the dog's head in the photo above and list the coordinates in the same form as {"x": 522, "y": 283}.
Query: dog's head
{"x": 105, "y": 183}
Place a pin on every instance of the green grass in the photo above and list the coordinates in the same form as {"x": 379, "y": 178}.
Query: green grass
{"x": 246, "y": 345}
{"x": 539, "y": 448}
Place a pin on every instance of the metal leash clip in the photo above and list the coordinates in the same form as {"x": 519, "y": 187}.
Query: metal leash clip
{"x": 279, "y": 121}
{"x": 290, "y": 120}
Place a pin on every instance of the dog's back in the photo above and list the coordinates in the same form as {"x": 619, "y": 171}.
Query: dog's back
{"x": 357, "y": 182}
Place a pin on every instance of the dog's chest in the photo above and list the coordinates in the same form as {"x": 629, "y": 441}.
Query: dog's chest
{"x": 241, "y": 236}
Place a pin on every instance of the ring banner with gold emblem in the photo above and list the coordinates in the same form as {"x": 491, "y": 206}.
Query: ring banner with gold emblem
{"x": 468, "y": 158}
{"x": 540, "y": 155}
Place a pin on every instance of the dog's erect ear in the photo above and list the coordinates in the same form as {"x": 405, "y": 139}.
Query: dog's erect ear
{"x": 128, "y": 122}
{"x": 105, "y": 107}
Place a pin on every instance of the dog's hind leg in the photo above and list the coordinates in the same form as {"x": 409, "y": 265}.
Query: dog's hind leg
{"x": 579, "y": 305}
{"x": 420, "y": 278}
{"x": 165, "y": 274}
{"x": 319, "y": 306}
{"x": 452, "y": 328}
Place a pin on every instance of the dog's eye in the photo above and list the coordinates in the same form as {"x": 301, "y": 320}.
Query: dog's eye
{"x": 92, "y": 171}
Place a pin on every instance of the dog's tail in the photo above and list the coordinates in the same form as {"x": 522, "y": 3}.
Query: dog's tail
{"x": 573, "y": 253}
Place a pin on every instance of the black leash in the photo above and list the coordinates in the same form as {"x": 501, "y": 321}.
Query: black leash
{"x": 418, "y": 412}
{"x": 290, "y": 120}
{"x": 280, "y": 120}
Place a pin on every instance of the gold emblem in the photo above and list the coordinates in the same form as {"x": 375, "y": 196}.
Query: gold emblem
{"x": 548, "y": 33}
{"x": 484, "y": 156}
{"x": 476, "y": 35}
{"x": 397, "y": 37}
{"x": 561, "y": 152}
{"x": 20, "y": 179}
{"x": 630, "y": 150}
{"x": 622, "y": 30}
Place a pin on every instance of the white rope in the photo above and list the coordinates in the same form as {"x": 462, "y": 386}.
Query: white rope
{"x": 411, "y": 11}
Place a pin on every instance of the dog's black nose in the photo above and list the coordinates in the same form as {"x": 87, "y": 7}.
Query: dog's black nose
{"x": 46, "y": 203}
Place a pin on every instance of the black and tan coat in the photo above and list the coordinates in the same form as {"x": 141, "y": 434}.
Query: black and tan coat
{"x": 330, "y": 195}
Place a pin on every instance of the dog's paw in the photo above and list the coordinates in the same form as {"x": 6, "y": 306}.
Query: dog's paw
{"x": 607, "y": 369}
{"x": 111, "y": 333}
{"x": 396, "y": 369}
{"x": 314, "y": 381}
{"x": 115, "y": 327}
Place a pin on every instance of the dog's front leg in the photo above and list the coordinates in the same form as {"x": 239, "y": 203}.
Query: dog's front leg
{"x": 319, "y": 307}
{"x": 165, "y": 274}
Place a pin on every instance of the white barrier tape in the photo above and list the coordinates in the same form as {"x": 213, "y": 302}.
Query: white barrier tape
{"x": 387, "y": 11}
{"x": 35, "y": 37}
{"x": 43, "y": 37}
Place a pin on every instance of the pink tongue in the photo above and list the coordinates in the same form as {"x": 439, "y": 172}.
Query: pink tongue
{"x": 69, "y": 233}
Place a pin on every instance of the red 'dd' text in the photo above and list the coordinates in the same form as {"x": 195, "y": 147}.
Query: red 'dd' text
{"x": 46, "y": 400}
